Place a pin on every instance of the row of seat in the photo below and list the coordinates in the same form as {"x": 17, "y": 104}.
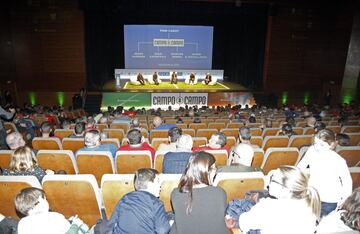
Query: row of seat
{"x": 79, "y": 194}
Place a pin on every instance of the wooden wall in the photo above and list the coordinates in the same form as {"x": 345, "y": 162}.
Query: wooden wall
{"x": 46, "y": 46}
{"x": 307, "y": 49}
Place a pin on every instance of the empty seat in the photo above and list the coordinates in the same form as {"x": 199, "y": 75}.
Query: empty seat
{"x": 256, "y": 140}
{"x": 237, "y": 184}
{"x": 10, "y": 186}
{"x": 276, "y": 157}
{"x": 350, "y": 129}
{"x": 113, "y": 188}
{"x": 355, "y": 175}
{"x": 155, "y": 142}
{"x": 217, "y": 125}
{"x": 62, "y": 133}
{"x": 354, "y": 138}
{"x": 159, "y": 134}
{"x": 199, "y": 141}
{"x": 73, "y": 144}
{"x": 127, "y": 162}
{"x": 189, "y": 131}
{"x": 234, "y": 132}
{"x": 158, "y": 161}
{"x": 270, "y": 132}
{"x": 168, "y": 183}
{"x": 197, "y": 126}
{"x": 113, "y": 141}
{"x": 258, "y": 158}
{"x": 48, "y": 143}
{"x": 5, "y": 156}
{"x": 234, "y": 125}
{"x": 124, "y": 126}
{"x": 309, "y": 131}
{"x": 96, "y": 163}
{"x": 255, "y": 131}
{"x": 57, "y": 160}
{"x": 298, "y": 130}
{"x": 335, "y": 129}
{"x": 351, "y": 154}
{"x": 230, "y": 141}
{"x": 115, "y": 133}
{"x": 300, "y": 140}
{"x": 221, "y": 156}
{"x": 206, "y": 133}
{"x": 275, "y": 141}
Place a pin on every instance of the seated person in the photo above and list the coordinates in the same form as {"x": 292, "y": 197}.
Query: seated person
{"x": 15, "y": 140}
{"x": 173, "y": 79}
{"x": 79, "y": 130}
{"x": 216, "y": 142}
{"x": 174, "y": 134}
{"x": 155, "y": 79}
{"x": 23, "y": 163}
{"x": 136, "y": 142}
{"x": 342, "y": 139}
{"x": 140, "y": 79}
{"x": 175, "y": 162}
{"x": 141, "y": 211}
{"x": 319, "y": 126}
{"x": 92, "y": 143}
{"x": 65, "y": 124}
{"x": 191, "y": 80}
{"x": 32, "y": 203}
{"x": 8, "y": 225}
{"x": 208, "y": 80}
{"x": 46, "y": 130}
{"x": 286, "y": 130}
{"x": 159, "y": 125}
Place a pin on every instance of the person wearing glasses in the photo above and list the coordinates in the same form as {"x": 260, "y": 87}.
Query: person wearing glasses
{"x": 198, "y": 206}
{"x": 295, "y": 210}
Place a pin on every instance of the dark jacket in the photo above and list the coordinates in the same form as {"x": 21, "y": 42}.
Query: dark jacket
{"x": 175, "y": 162}
{"x": 139, "y": 212}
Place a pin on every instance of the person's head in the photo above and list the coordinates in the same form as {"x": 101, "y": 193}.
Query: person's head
{"x": 200, "y": 170}
{"x": 14, "y": 140}
{"x": 65, "y": 124}
{"x": 243, "y": 154}
{"x": 157, "y": 121}
{"x": 325, "y": 139}
{"x": 135, "y": 123}
{"x": 185, "y": 141}
{"x": 174, "y": 134}
{"x": 31, "y": 201}
{"x": 289, "y": 182}
{"x": 79, "y": 128}
{"x": 103, "y": 120}
{"x": 92, "y": 138}
{"x": 22, "y": 159}
{"x": 217, "y": 140}
{"x": 319, "y": 126}
{"x": 343, "y": 139}
{"x": 46, "y": 128}
{"x": 351, "y": 208}
{"x": 310, "y": 121}
{"x": 147, "y": 179}
{"x": 287, "y": 129}
{"x": 134, "y": 137}
{"x": 245, "y": 134}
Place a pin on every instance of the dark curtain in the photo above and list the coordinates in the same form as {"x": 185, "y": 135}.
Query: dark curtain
{"x": 238, "y": 42}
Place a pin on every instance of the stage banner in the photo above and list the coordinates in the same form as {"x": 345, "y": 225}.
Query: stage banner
{"x": 177, "y": 100}
{"x": 232, "y": 98}
{"x": 127, "y": 100}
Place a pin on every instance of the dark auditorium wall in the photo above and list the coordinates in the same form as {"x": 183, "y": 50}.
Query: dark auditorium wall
{"x": 307, "y": 49}
{"x": 45, "y": 48}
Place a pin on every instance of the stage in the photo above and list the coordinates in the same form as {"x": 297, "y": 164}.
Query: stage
{"x": 180, "y": 87}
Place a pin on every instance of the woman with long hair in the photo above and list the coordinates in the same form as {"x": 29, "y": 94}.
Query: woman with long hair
{"x": 198, "y": 206}
{"x": 328, "y": 171}
{"x": 24, "y": 162}
{"x": 295, "y": 209}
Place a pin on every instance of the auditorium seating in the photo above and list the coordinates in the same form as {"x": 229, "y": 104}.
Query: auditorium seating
{"x": 256, "y": 140}
{"x": 5, "y": 156}
{"x": 127, "y": 162}
{"x": 168, "y": 183}
{"x": 158, "y": 134}
{"x": 206, "y": 132}
{"x": 350, "y": 129}
{"x": 309, "y": 131}
{"x": 258, "y": 157}
{"x": 62, "y": 133}
{"x": 189, "y": 131}
{"x": 237, "y": 184}
{"x": 73, "y": 144}
{"x": 355, "y": 175}
{"x": 230, "y": 141}
{"x": 10, "y": 126}
{"x": 50, "y": 143}
{"x": 197, "y": 126}
{"x": 270, "y": 132}
{"x": 354, "y": 138}
{"x": 115, "y": 133}
{"x": 300, "y": 140}
{"x": 113, "y": 141}
{"x": 351, "y": 154}
{"x": 96, "y": 163}
{"x": 234, "y": 132}
{"x": 74, "y": 194}
{"x": 10, "y": 186}
{"x": 221, "y": 156}
{"x": 124, "y": 126}
{"x": 218, "y": 126}
{"x": 155, "y": 142}
{"x": 113, "y": 188}
{"x": 158, "y": 161}
{"x": 199, "y": 141}
{"x": 275, "y": 141}
{"x": 57, "y": 160}
{"x": 276, "y": 157}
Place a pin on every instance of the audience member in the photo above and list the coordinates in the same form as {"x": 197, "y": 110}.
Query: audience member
{"x": 343, "y": 139}
{"x": 175, "y": 161}
{"x": 23, "y": 162}
{"x": 159, "y": 125}
{"x": 319, "y": 126}
{"x": 295, "y": 209}
{"x": 141, "y": 211}
{"x": 198, "y": 206}
{"x": 15, "y": 140}
{"x": 286, "y": 130}
{"x": 244, "y": 151}
{"x": 328, "y": 171}
{"x": 92, "y": 143}
{"x": 137, "y": 142}
{"x": 65, "y": 124}
{"x": 8, "y": 225}
{"x": 32, "y": 203}
{"x": 4, "y": 115}
{"x": 79, "y": 130}
{"x": 216, "y": 142}
{"x": 46, "y": 130}
{"x": 310, "y": 121}
{"x": 174, "y": 134}
{"x": 345, "y": 218}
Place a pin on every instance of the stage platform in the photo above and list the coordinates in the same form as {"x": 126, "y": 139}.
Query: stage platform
{"x": 180, "y": 87}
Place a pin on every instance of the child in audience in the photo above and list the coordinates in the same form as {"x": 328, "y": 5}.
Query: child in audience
{"x": 23, "y": 162}
{"x": 198, "y": 206}
{"x": 295, "y": 210}
{"x": 346, "y": 218}
{"x": 32, "y": 203}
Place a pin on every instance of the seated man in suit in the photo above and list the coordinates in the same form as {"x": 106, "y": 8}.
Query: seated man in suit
{"x": 207, "y": 79}
{"x": 192, "y": 79}
{"x": 175, "y": 161}
{"x": 155, "y": 78}
{"x": 173, "y": 78}
{"x": 140, "y": 79}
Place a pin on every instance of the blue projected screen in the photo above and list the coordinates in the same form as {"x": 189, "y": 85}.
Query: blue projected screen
{"x": 168, "y": 46}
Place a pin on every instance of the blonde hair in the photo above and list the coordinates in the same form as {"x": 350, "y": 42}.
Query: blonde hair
{"x": 297, "y": 182}
{"x": 22, "y": 159}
